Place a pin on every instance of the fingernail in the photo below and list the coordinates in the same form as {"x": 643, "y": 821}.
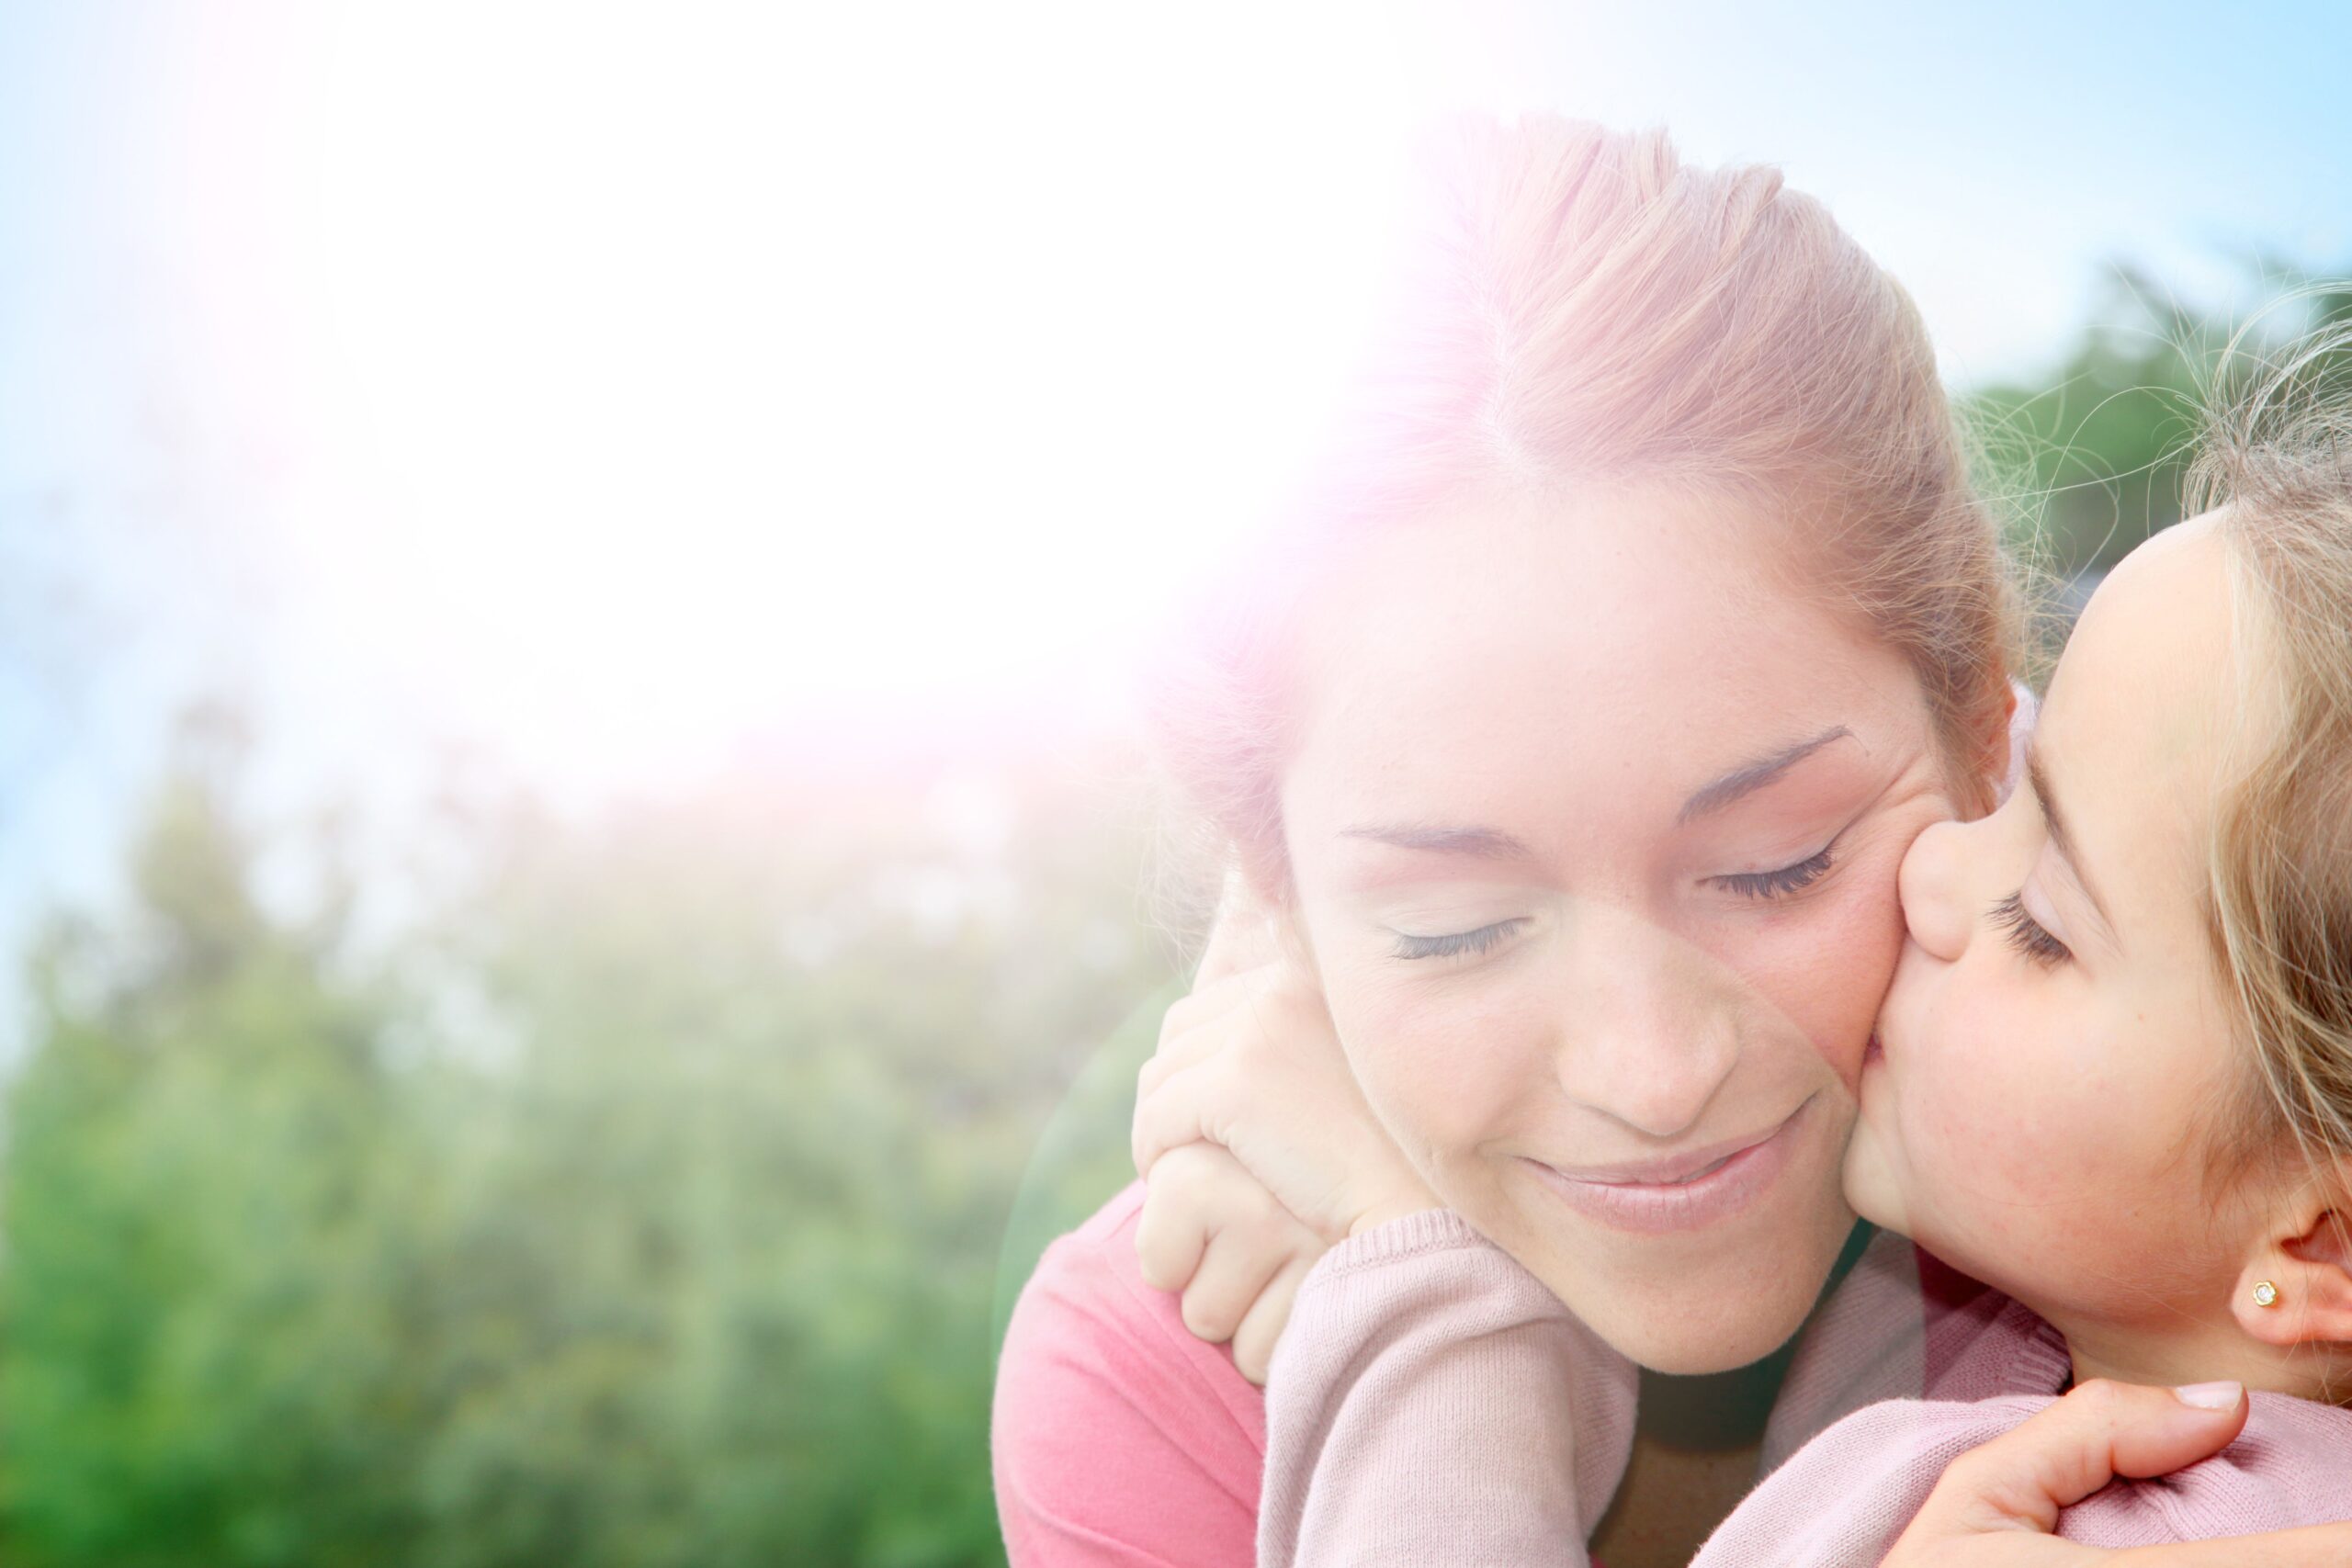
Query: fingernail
{"x": 2209, "y": 1395}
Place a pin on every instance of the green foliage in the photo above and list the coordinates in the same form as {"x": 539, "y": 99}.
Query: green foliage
{"x": 2096, "y": 454}
{"x": 645, "y": 1207}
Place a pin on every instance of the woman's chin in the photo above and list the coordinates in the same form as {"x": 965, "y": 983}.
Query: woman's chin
{"x": 1694, "y": 1336}
{"x": 1692, "y": 1356}
{"x": 1720, "y": 1309}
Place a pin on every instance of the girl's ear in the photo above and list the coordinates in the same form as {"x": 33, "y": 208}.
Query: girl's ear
{"x": 2304, "y": 1274}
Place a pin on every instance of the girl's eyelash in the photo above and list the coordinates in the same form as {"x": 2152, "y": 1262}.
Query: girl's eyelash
{"x": 2027, "y": 935}
{"x": 1456, "y": 944}
{"x": 1777, "y": 884}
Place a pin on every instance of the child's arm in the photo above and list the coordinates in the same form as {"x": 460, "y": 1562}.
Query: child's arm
{"x": 1846, "y": 1497}
{"x": 1434, "y": 1403}
{"x": 1914, "y": 1484}
{"x": 2284, "y": 1462}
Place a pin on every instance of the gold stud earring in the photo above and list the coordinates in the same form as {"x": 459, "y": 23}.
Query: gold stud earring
{"x": 2266, "y": 1294}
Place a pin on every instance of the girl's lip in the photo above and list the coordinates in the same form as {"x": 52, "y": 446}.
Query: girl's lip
{"x": 1875, "y": 1050}
{"x": 1684, "y": 1191}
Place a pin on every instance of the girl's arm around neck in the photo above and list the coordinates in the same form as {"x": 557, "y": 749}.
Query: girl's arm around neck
{"x": 1431, "y": 1402}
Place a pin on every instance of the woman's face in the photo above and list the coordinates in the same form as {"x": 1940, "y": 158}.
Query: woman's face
{"x": 1595, "y": 830}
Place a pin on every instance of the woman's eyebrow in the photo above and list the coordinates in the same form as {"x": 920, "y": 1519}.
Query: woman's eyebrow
{"x": 1747, "y": 779}
{"x": 1481, "y": 843}
{"x": 1492, "y": 843}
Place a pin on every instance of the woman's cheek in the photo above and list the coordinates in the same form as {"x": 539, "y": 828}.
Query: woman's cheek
{"x": 1836, "y": 1001}
{"x": 1442, "y": 1064}
{"x": 1825, "y": 968}
{"x": 1871, "y": 938}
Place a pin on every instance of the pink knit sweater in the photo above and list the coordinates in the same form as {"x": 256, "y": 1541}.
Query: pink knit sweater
{"x": 1122, "y": 1442}
{"x": 1433, "y": 1403}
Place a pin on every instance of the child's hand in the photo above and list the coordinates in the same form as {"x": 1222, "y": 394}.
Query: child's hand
{"x": 1209, "y": 1230}
{"x": 1251, "y": 1062}
{"x": 1995, "y": 1504}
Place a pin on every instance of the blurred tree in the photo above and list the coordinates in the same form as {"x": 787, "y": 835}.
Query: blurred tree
{"x": 199, "y": 1308}
{"x": 642, "y": 1208}
{"x": 2094, "y": 456}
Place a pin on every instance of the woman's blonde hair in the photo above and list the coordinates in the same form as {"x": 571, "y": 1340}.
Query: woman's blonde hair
{"x": 1591, "y": 311}
{"x": 2276, "y": 465}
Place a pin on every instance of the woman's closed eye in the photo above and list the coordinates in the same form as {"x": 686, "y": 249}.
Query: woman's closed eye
{"x": 2027, "y": 935}
{"x": 1778, "y": 883}
{"x": 1456, "y": 944}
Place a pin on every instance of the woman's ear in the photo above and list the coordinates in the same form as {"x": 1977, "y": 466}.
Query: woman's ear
{"x": 2297, "y": 1289}
{"x": 1257, "y": 923}
{"x": 2000, "y": 740}
{"x": 1245, "y": 932}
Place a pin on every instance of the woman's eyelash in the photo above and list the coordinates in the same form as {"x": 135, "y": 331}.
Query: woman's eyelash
{"x": 1456, "y": 943}
{"x": 2027, "y": 935}
{"x": 1777, "y": 884}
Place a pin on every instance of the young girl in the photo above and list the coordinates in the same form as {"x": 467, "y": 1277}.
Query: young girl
{"x": 2112, "y": 1079}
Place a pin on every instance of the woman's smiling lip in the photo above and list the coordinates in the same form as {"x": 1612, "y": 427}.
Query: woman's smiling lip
{"x": 1679, "y": 1191}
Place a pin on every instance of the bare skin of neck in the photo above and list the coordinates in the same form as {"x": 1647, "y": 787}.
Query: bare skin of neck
{"x": 1696, "y": 1443}
{"x": 2207, "y": 1352}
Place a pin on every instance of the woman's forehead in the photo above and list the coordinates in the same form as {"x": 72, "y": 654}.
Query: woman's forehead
{"x": 1638, "y": 638}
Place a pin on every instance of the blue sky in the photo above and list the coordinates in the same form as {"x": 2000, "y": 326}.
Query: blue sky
{"x": 185, "y": 372}
{"x": 1997, "y": 156}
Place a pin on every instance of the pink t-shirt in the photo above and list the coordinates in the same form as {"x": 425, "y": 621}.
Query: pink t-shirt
{"x": 1119, "y": 1437}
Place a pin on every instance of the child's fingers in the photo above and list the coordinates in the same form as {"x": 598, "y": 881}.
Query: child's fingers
{"x": 1198, "y": 1026}
{"x": 1178, "y": 1215}
{"x": 1995, "y": 1504}
{"x": 2062, "y": 1454}
{"x": 1243, "y": 1055}
{"x": 1186, "y": 1038}
{"x": 1179, "y": 1109}
{"x": 1209, "y": 998}
{"x": 1262, "y": 1326}
{"x": 1233, "y": 1274}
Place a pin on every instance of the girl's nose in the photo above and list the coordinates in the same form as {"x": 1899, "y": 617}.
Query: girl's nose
{"x": 1933, "y": 887}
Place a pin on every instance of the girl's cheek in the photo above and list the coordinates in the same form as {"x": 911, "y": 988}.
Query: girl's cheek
{"x": 1990, "y": 1119}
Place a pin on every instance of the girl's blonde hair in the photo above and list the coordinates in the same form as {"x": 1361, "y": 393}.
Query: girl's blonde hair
{"x": 2276, "y": 466}
{"x": 1593, "y": 311}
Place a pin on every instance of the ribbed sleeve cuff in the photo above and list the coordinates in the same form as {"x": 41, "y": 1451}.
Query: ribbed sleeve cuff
{"x": 1431, "y": 1230}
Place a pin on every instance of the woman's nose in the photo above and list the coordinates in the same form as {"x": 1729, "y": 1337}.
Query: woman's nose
{"x": 1932, "y": 884}
{"x": 1652, "y": 1033}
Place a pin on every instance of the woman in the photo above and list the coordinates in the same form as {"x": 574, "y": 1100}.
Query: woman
{"x": 1574, "y": 740}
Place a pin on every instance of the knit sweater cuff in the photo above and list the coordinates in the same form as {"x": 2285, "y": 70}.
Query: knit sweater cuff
{"x": 1431, "y": 1230}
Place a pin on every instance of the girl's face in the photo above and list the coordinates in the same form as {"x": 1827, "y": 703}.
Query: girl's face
{"x": 1595, "y": 828}
{"x": 2056, "y": 1046}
